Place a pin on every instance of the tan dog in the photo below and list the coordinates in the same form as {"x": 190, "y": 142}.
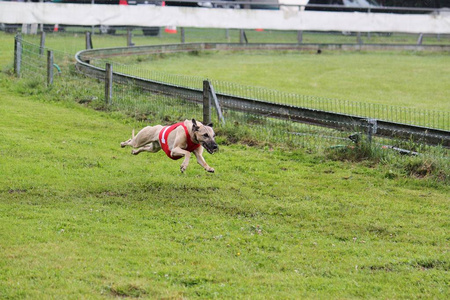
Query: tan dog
{"x": 177, "y": 141}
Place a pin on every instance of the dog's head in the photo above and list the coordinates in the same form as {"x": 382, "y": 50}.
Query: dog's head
{"x": 204, "y": 135}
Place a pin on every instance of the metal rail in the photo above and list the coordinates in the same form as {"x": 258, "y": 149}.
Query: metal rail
{"x": 187, "y": 47}
{"x": 334, "y": 120}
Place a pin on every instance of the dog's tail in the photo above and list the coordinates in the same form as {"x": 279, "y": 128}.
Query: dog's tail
{"x": 132, "y": 134}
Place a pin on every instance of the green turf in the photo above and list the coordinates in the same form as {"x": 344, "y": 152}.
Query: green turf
{"x": 82, "y": 218}
{"x": 415, "y": 80}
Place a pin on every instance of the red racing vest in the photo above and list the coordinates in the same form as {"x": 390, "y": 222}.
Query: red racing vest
{"x": 164, "y": 134}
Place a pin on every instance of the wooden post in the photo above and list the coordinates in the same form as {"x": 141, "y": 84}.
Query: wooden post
{"x": 49, "y": 68}
{"x": 420, "y": 39}
{"x": 241, "y": 36}
{"x": 358, "y": 38}
{"x": 129, "y": 38}
{"x": 206, "y": 103}
{"x": 17, "y": 55}
{"x": 108, "y": 83}
{"x": 88, "y": 41}
{"x": 371, "y": 128}
{"x": 42, "y": 47}
{"x": 227, "y": 34}
{"x": 300, "y": 36}
{"x": 183, "y": 38}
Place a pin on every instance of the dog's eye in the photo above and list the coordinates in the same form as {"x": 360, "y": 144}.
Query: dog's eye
{"x": 206, "y": 135}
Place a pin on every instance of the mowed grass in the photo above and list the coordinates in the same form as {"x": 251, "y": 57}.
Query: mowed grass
{"x": 82, "y": 218}
{"x": 407, "y": 79}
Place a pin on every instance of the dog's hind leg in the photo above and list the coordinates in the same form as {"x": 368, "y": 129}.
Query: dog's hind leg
{"x": 144, "y": 137}
{"x": 129, "y": 142}
{"x": 152, "y": 147}
{"x": 126, "y": 143}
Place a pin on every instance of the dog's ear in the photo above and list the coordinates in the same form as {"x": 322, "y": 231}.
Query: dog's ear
{"x": 210, "y": 125}
{"x": 194, "y": 125}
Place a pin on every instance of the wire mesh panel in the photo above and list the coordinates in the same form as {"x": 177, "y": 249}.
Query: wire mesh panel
{"x": 405, "y": 115}
{"x": 33, "y": 61}
{"x": 154, "y": 108}
{"x": 257, "y": 129}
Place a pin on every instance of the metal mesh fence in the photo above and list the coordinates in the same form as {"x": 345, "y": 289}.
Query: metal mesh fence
{"x": 428, "y": 118}
{"x": 152, "y": 107}
{"x": 420, "y": 117}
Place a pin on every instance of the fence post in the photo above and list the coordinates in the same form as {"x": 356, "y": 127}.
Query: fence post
{"x": 129, "y": 38}
{"x": 371, "y": 128}
{"x": 49, "y": 68}
{"x": 420, "y": 39}
{"x": 108, "y": 83}
{"x": 242, "y": 37}
{"x": 300, "y": 36}
{"x": 206, "y": 103}
{"x": 88, "y": 41}
{"x": 42, "y": 47}
{"x": 17, "y": 55}
{"x": 358, "y": 38}
{"x": 183, "y": 37}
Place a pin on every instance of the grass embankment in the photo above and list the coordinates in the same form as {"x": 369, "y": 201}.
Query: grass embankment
{"x": 82, "y": 218}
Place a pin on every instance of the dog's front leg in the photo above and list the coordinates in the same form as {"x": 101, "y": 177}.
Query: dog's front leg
{"x": 180, "y": 152}
{"x": 201, "y": 160}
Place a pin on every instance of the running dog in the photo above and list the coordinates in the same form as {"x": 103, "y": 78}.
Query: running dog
{"x": 177, "y": 141}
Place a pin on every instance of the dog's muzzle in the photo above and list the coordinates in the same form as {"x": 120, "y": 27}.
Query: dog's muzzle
{"x": 211, "y": 147}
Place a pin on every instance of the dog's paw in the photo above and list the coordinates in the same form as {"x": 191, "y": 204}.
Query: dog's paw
{"x": 210, "y": 170}
{"x": 134, "y": 152}
{"x": 182, "y": 168}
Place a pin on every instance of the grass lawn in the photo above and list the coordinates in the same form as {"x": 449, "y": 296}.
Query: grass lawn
{"x": 391, "y": 78}
{"x": 82, "y": 218}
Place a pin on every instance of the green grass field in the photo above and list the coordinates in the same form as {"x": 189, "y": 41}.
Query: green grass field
{"x": 391, "y": 78}
{"x": 82, "y": 218}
